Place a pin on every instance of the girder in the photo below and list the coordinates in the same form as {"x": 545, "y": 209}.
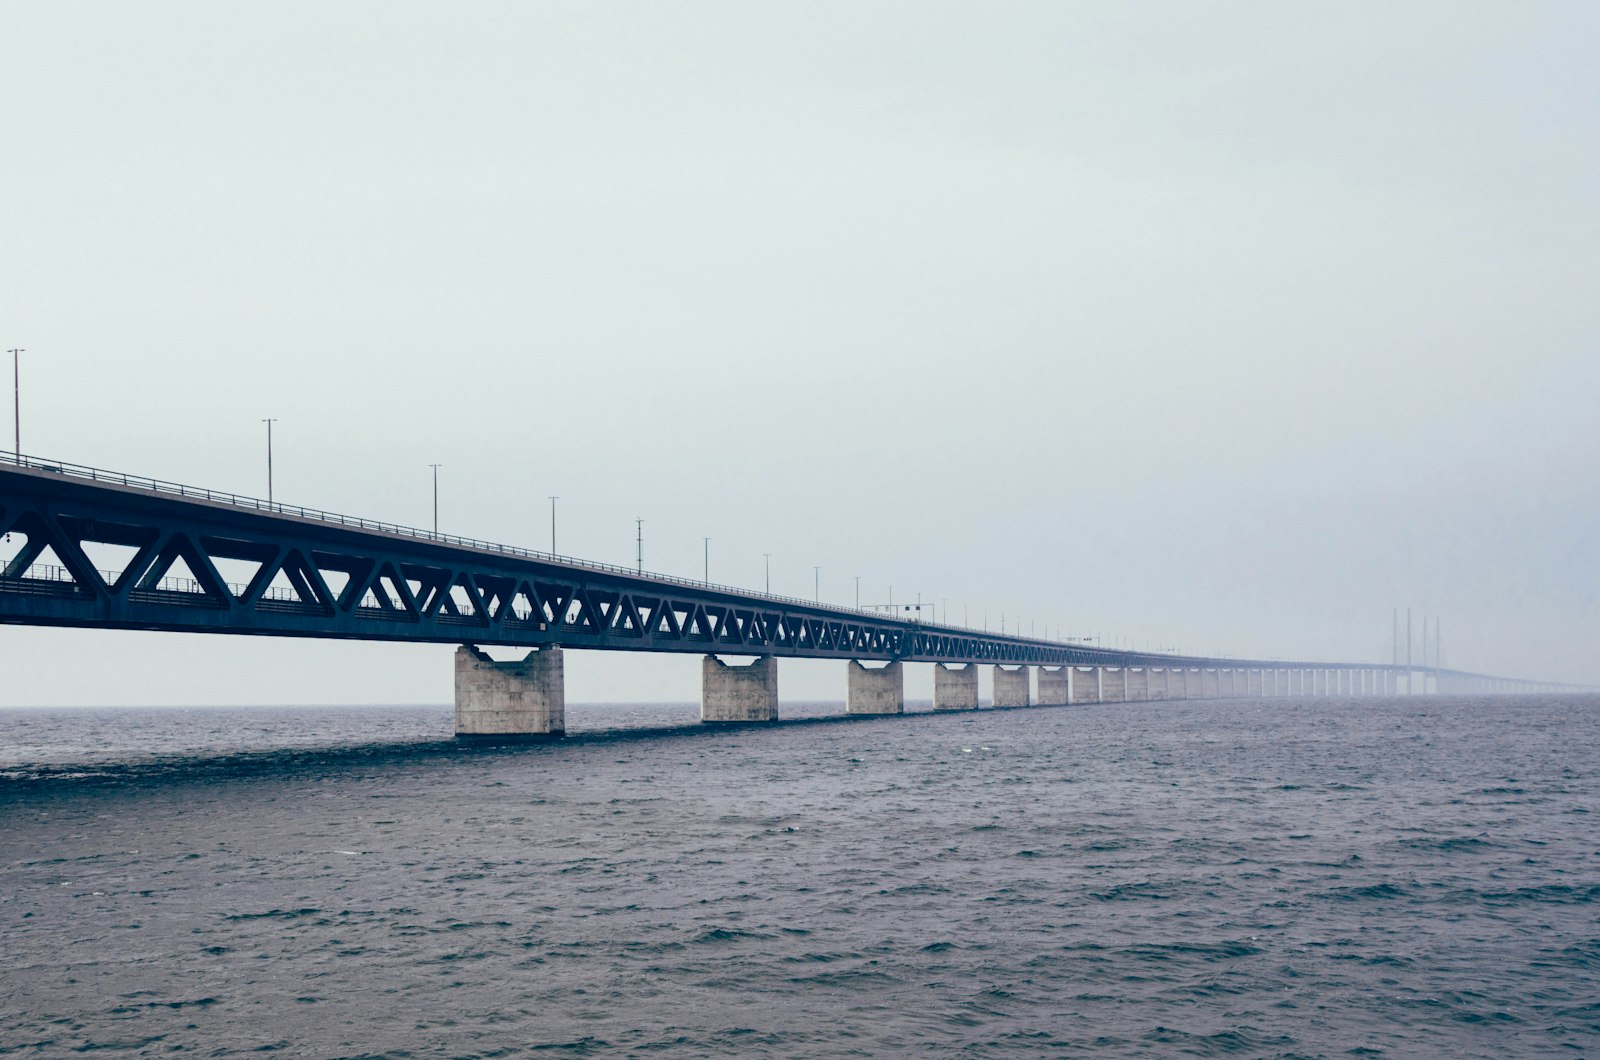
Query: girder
{"x": 196, "y": 561}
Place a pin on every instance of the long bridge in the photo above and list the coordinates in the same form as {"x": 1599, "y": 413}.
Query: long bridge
{"x": 101, "y": 549}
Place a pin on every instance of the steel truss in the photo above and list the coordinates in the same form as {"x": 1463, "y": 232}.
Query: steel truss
{"x": 197, "y": 562}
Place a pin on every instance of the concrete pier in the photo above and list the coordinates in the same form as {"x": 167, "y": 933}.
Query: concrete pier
{"x": 1252, "y": 684}
{"x": 1053, "y": 691}
{"x": 1210, "y": 684}
{"x": 880, "y": 691}
{"x": 1113, "y": 684}
{"x": 1136, "y": 683}
{"x": 955, "y": 687}
{"x": 506, "y": 701}
{"x": 1011, "y": 687}
{"x": 1086, "y": 684}
{"x": 739, "y": 693}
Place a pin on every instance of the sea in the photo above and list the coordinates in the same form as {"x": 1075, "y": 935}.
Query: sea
{"x": 1255, "y": 878}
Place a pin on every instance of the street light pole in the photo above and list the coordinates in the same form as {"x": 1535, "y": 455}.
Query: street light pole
{"x": 707, "y": 578}
{"x": 858, "y": 592}
{"x": 436, "y": 468}
{"x": 16, "y": 398}
{"x": 768, "y": 557}
{"x": 269, "y": 424}
{"x": 553, "y": 500}
{"x": 638, "y": 524}
{"x": 817, "y": 593}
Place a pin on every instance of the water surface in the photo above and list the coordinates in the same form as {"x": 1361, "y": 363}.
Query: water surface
{"x": 1259, "y": 878}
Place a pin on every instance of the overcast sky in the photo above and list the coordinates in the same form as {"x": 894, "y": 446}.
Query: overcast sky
{"x": 1226, "y": 327}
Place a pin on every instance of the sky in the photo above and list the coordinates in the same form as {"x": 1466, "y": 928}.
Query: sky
{"x": 1222, "y": 327}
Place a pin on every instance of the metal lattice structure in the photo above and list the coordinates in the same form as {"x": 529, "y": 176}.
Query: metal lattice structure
{"x": 194, "y": 560}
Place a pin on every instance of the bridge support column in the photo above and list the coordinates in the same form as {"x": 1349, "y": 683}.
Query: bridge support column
{"x": 955, "y": 688}
{"x": 1086, "y": 684}
{"x": 1252, "y": 684}
{"x": 738, "y": 693}
{"x": 1210, "y": 684}
{"x": 1053, "y": 691}
{"x": 1011, "y": 687}
{"x": 880, "y": 691}
{"x": 1136, "y": 683}
{"x": 1160, "y": 681}
{"x": 1389, "y": 683}
{"x": 1113, "y": 684}
{"x": 507, "y": 701}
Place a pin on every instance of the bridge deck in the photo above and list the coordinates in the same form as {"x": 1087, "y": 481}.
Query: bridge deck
{"x": 196, "y": 560}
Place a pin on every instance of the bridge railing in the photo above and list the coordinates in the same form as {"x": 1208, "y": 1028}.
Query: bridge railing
{"x": 236, "y": 500}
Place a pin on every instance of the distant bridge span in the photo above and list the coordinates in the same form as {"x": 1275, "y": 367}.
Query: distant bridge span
{"x": 98, "y": 549}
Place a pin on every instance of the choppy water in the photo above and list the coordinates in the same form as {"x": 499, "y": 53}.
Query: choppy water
{"x": 1239, "y": 878}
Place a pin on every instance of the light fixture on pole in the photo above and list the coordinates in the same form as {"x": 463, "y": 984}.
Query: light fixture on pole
{"x": 707, "y": 578}
{"x": 16, "y": 398}
{"x": 269, "y": 423}
{"x": 817, "y": 593}
{"x": 553, "y": 499}
{"x": 436, "y": 468}
{"x": 768, "y": 557}
{"x": 638, "y": 524}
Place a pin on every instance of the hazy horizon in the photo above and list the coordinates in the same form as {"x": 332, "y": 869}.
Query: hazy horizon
{"x": 1226, "y": 328}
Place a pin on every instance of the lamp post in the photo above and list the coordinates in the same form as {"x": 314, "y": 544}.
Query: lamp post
{"x": 707, "y": 577}
{"x": 638, "y": 524}
{"x": 16, "y": 399}
{"x": 553, "y": 499}
{"x": 269, "y": 423}
{"x": 768, "y": 557}
{"x": 858, "y": 592}
{"x": 817, "y": 592}
{"x": 436, "y": 468}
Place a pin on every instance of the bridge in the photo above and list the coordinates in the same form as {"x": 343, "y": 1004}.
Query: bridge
{"x": 98, "y": 549}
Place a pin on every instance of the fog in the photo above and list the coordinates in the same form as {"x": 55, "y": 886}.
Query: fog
{"x": 1221, "y": 327}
